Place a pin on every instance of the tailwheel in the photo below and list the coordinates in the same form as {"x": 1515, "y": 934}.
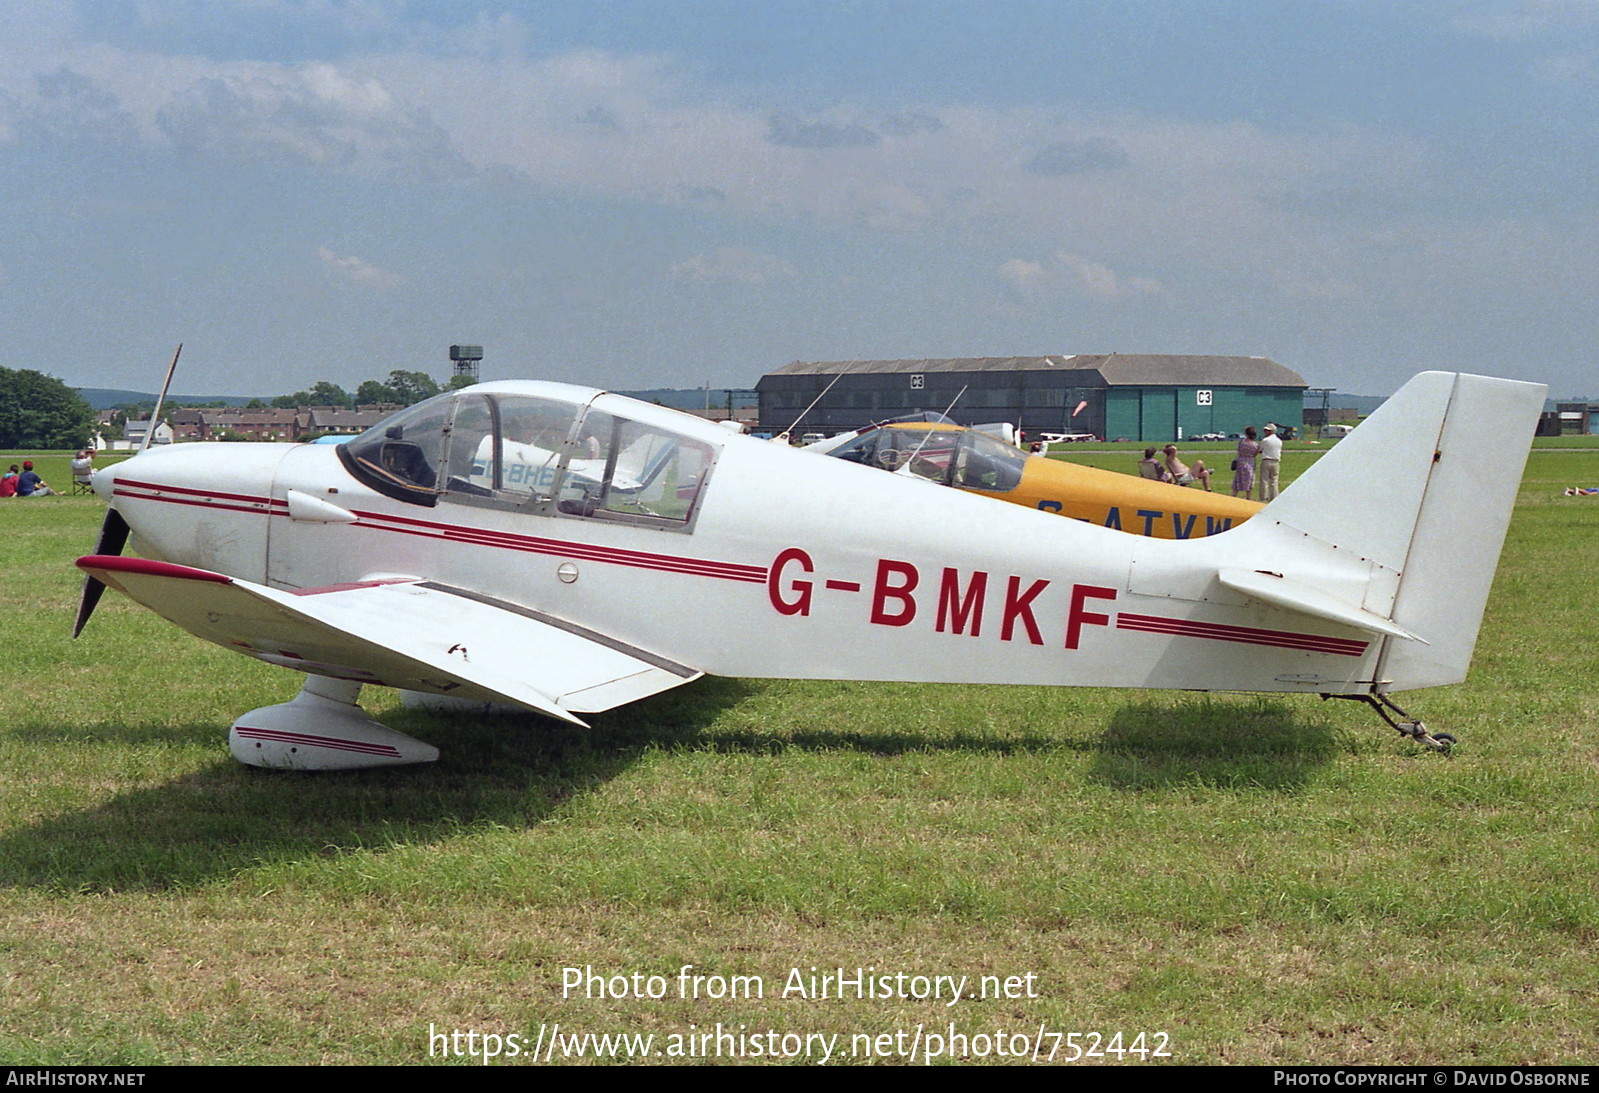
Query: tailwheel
{"x": 1416, "y": 731}
{"x": 1409, "y": 727}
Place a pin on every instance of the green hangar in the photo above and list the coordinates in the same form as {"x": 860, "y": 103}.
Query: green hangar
{"x": 1149, "y": 397}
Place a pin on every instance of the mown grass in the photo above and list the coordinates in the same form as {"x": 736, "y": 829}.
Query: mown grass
{"x": 1265, "y": 879}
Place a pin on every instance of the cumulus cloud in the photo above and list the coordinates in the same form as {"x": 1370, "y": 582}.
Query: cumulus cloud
{"x": 905, "y": 125}
{"x": 1073, "y": 157}
{"x": 892, "y": 206}
{"x": 787, "y": 130}
{"x": 352, "y": 272}
{"x": 1067, "y": 274}
{"x": 642, "y": 128}
{"x": 733, "y": 265}
{"x": 600, "y": 115}
{"x": 702, "y": 195}
{"x": 68, "y": 105}
{"x": 314, "y": 113}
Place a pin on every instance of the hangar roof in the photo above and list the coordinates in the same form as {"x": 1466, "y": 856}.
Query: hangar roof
{"x": 1116, "y": 369}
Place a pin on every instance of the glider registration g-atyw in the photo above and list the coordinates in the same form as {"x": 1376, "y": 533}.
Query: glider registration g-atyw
{"x": 536, "y": 545}
{"x": 971, "y": 459}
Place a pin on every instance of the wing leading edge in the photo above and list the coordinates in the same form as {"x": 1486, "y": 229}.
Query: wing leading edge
{"x": 407, "y": 633}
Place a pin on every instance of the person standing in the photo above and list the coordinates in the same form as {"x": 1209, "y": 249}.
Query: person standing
{"x": 1244, "y": 464}
{"x": 1271, "y": 455}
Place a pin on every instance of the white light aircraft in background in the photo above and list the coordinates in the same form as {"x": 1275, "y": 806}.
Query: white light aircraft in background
{"x": 567, "y": 551}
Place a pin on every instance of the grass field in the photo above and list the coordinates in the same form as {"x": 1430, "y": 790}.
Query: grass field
{"x": 1258, "y": 879}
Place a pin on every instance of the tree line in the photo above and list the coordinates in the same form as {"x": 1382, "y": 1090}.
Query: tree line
{"x": 41, "y": 412}
{"x": 401, "y": 387}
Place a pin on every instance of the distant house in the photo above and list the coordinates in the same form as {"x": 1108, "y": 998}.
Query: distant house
{"x": 134, "y": 431}
{"x": 338, "y": 421}
{"x": 234, "y": 423}
{"x": 187, "y": 425}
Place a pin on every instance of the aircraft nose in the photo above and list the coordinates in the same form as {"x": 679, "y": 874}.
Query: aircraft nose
{"x": 201, "y": 505}
{"x": 103, "y": 481}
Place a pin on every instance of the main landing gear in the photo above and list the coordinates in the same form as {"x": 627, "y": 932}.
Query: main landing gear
{"x": 1409, "y": 727}
{"x": 322, "y": 728}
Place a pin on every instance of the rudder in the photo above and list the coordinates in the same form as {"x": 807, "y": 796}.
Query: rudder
{"x": 1419, "y": 498}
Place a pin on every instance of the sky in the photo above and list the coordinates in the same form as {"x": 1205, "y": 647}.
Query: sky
{"x": 669, "y": 193}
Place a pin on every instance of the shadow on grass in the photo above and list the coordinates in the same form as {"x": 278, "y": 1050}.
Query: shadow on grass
{"x": 515, "y": 771}
{"x": 882, "y": 742}
{"x": 1267, "y": 745}
{"x": 507, "y": 770}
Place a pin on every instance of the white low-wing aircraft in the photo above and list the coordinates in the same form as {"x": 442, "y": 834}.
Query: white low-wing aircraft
{"x": 568, "y": 551}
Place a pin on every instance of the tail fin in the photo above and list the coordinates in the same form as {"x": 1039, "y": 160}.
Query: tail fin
{"x": 1420, "y": 497}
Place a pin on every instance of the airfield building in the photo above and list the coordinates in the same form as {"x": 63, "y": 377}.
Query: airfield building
{"x": 1147, "y": 397}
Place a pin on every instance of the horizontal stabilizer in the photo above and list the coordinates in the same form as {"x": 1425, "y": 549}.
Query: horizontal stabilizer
{"x": 402, "y": 633}
{"x": 1307, "y": 600}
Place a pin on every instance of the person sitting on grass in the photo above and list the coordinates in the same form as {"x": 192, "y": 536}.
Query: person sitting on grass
{"x": 1184, "y": 475}
{"x": 30, "y": 484}
{"x": 8, "y": 482}
{"x": 1151, "y": 468}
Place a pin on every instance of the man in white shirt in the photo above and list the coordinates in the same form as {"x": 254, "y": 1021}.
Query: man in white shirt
{"x": 1271, "y": 458}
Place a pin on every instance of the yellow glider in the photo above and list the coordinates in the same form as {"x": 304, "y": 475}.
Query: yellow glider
{"x": 971, "y": 460}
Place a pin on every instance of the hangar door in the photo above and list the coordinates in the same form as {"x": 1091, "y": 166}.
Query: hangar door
{"x": 1157, "y": 414}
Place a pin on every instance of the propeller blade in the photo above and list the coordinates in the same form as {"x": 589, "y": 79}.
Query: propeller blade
{"x": 113, "y": 537}
{"x": 155, "y": 414}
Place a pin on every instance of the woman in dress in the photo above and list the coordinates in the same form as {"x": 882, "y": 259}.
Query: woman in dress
{"x": 1244, "y": 465}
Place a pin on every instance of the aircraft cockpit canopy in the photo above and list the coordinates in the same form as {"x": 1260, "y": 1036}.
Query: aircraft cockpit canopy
{"x": 533, "y": 454}
{"x": 950, "y": 456}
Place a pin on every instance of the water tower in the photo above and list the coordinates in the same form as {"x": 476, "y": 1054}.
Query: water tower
{"x": 465, "y": 360}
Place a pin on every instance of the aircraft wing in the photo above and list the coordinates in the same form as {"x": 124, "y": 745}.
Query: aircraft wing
{"x": 408, "y": 633}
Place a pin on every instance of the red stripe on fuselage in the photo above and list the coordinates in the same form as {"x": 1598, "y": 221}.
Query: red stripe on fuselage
{"x": 246, "y": 497}
{"x": 458, "y": 533}
{"x": 730, "y": 571}
{"x": 257, "y": 511}
{"x": 1284, "y": 639}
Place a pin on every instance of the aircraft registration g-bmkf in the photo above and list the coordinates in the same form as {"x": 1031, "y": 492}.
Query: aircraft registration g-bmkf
{"x": 567, "y": 551}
